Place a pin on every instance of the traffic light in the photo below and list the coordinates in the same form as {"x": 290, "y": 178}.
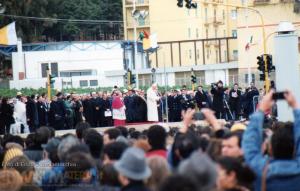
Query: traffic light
{"x": 262, "y": 77}
{"x": 193, "y": 79}
{"x": 125, "y": 79}
{"x": 189, "y": 4}
{"x": 180, "y": 3}
{"x": 129, "y": 78}
{"x": 51, "y": 79}
{"x": 133, "y": 81}
{"x": 270, "y": 66}
{"x": 194, "y": 5}
{"x": 260, "y": 63}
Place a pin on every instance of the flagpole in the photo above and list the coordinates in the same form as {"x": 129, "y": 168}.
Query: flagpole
{"x": 248, "y": 61}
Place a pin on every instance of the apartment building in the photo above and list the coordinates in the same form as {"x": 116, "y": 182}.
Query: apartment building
{"x": 203, "y": 39}
{"x": 249, "y": 26}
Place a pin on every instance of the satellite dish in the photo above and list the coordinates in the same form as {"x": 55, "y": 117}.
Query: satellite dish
{"x": 135, "y": 14}
{"x": 144, "y": 14}
{"x": 2, "y": 8}
{"x": 285, "y": 26}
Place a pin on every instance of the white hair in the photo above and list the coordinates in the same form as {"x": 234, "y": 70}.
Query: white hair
{"x": 65, "y": 146}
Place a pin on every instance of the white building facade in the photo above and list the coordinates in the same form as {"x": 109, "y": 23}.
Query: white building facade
{"x": 102, "y": 64}
{"x": 75, "y": 64}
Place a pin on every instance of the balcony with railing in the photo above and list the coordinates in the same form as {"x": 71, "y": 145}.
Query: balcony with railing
{"x": 216, "y": 21}
{"x": 138, "y": 3}
{"x": 215, "y": 43}
{"x": 141, "y": 23}
{"x": 261, "y": 2}
{"x": 216, "y": 2}
{"x": 196, "y": 52}
{"x": 287, "y": 1}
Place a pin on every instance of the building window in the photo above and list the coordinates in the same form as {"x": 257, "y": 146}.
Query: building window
{"x": 44, "y": 67}
{"x": 190, "y": 54}
{"x": 235, "y": 54}
{"x": 83, "y": 83}
{"x": 141, "y": 21}
{"x": 93, "y": 82}
{"x": 183, "y": 78}
{"x": 189, "y": 33}
{"x": 197, "y": 33}
{"x": 224, "y": 31}
{"x": 223, "y": 15}
{"x": 206, "y": 12}
{"x": 206, "y": 33}
{"x": 196, "y": 12}
{"x": 234, "y": 33}
{"x": 67, "y": 83}
{"x": 188, "y": 12}
{"x": 54, "y": 69}
{"x": 198, "y": 54}
{"x": 217, "y": 56}
{"x": 215, "y": 13}
{"x": 207, "y": 54}
{"x": 216, "y": 33}
{"x": 225, "y": 55}
{"x": 233, "y": 14}
{"x": 77, "y": 73}
{"x": 126, "y": 63}
{"x": 252, "y": 78}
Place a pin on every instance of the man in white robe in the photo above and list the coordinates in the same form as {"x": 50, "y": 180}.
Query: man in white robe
{"x": 152, "y": 103}
{"x": 20, "y": 113}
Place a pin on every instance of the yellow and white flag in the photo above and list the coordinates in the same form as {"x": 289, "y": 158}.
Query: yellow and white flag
{"x": 8, "y": 35}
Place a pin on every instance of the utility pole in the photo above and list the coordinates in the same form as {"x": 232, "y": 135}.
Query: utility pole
{"x": 135, "y": 20}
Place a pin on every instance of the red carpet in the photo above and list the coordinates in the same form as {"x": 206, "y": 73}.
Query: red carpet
{"x": 142, "y": 123}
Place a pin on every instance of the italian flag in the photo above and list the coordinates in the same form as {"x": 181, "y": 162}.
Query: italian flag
{"x": 249, "y": 44}
{"x": 8, "y": 35}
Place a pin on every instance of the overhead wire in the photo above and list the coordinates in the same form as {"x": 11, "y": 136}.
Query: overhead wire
{"x": 87, "y": 21}
{"x": 81, "y": 21}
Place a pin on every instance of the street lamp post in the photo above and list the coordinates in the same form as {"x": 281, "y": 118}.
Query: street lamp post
{"x": 136, "y": 15}
{"x": 153, "y": 75}
{"x": 135, "y": 20}
{"x": 248, "y": 61}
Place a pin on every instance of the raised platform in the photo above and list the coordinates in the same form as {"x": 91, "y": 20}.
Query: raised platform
{"x": 138, "y": 127}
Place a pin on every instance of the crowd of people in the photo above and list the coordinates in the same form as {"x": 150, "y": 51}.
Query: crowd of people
{"x": 256, "y": 155}
{"x": 103, "y": 109}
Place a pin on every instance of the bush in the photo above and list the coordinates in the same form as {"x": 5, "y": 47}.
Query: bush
{"x": 5, "y": 92}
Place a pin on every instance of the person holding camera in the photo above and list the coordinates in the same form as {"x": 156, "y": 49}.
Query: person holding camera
{"x": 235, "y": 101}
{"x": 217, "y": 90}
{"x": 251, "y": 92}
{"x": 279, "y": 168}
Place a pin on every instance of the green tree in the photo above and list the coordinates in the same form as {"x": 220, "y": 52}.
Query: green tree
{"x": 37, "y": 30}
{"x": 27, "y": 29}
